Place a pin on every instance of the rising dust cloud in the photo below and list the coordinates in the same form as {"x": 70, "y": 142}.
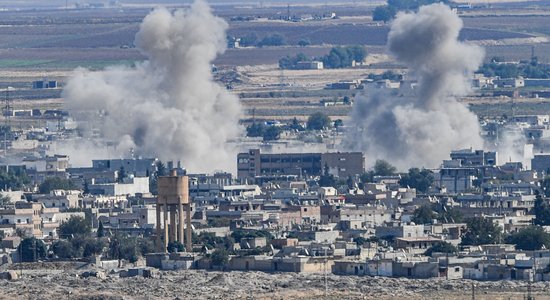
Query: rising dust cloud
{"x": 169, "y": 106}
{"x": 421, "y": 130}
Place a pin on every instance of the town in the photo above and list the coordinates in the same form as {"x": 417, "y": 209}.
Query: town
{"x": 235, "y": 148}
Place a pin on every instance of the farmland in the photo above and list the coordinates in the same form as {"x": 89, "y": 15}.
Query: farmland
{"x": 51, "y": 43}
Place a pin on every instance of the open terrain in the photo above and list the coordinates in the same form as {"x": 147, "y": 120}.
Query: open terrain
{"x": 62, "y": 281}
{"x": 38, "y": 44}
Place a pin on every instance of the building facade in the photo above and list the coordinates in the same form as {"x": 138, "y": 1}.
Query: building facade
{"x": 253, "y": 164}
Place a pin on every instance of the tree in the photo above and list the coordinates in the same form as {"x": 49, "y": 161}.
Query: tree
{"x": 220, "y": 257}
{"x": 542, "y": 211}
{"x": 546, "y": 186}
{"x": 63, "y": 249}
{"x": 343, "y": 57}
{"x": 384, "y": 168}
{"x": 356, "y": 53}
{"x": 327, "y": 179}
{"x": 291, "y": 62}
{"x": 360, "y": 240}
{"x": 481, "y": 231}
{"x": 126, "y": 248}
{"x": 421, "y": 180}
{"x": 318, "y": 121}
{"x": 242, "y": 233}
{"x": 275, "y": 39}
{"x": 4, "y": 200}
{"x": 32, "y": 249}
{"x": 74, "y": 226}
{"x": 338, "y": 123}
{"x": 304, "y": 42}
{"x": 424, "y": 215}
{"x": 56, "y": 183}
{"x": 295, "y": 125}
{"x": 175, "y": 246}
{"x": 147, "y": 245}
{"x": 100, "y": 230}
{"x": 442, "y": 247}
{"x": 255, "y": 130}
{"x": 13, "y": 179}
{"x": 160, "y": 170}
{"x": 448, "y": 215}
{"x": 91, "y": 247}
{"x": 384, "y": 13}
{"x": 530, "y": 238}
{"x": 248, "y": 40}
{"x": 121, "y": 174}
{"x": 271, "y": 133}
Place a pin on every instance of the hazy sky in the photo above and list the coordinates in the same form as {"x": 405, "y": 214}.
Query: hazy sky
{"x": 54, "y": 3}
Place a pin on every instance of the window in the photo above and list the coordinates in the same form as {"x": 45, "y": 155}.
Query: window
{"x": 305, "y": 209}
{"x": 18, "y": 220}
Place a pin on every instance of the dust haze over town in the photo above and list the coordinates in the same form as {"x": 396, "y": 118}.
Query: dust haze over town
{"x": 272, "y": 149}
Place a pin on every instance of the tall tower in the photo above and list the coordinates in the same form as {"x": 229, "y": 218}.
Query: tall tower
{"x": 173, "y": 200}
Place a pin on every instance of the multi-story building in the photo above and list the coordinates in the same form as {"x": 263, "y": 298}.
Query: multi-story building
{"x": 541, "y": 163}
{"x": 33, "y": 219}
{"x": 470, "y": 157}
{"x": 342, "y": 164}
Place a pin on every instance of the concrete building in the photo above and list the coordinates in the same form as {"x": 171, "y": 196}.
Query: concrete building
{"x": 471, "y": 157}
{"x": 130, "y": 186}
{"x": 541, "y": 163}
{"x": 59, "y": 198}
{"x": 509, "y": 82}
{"x": 173, "y": 199}
{"x": 342, "y": 164}
{"x": 137, "y": 166}
{"x": 34, "y": 219}
{"x": 403, "y": 231}
{"x": 309, "y": 65}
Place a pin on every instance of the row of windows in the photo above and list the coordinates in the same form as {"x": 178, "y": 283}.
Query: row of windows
{"x": 307, "y": 159}
{"x": 277, "y": 170}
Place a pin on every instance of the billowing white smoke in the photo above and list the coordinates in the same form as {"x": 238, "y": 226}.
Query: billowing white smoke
{"x": 513, "y": 146}
{"x": 421, "y": 130}
{"x": 169, "y": 106}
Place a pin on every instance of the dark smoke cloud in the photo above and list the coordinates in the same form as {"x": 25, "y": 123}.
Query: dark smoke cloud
{"x": 168, "y": 107}
{"x": 420, "y": 129}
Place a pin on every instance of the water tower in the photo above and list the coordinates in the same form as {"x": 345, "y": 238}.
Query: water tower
{"x": 173, "y": 200}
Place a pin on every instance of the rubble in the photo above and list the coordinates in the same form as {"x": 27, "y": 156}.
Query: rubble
{"x": 200, "y": 284}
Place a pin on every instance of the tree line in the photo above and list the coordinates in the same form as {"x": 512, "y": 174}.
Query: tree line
{"x": 338, "y": 57}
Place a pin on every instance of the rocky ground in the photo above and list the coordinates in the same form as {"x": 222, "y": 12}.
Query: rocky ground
{"x": 57, "y": 281}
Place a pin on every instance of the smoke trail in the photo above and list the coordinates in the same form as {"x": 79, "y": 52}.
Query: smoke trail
{"x": 169, "y": 106}
{"x": 422, "y": 129}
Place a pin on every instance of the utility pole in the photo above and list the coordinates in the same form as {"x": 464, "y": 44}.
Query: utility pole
{"x": 447, "y": 268}
{"x": 288, "y": 12}
{"x": 473, "y": 291}
{"x": 20, "y": 259}
{"x": 326, "y": 275}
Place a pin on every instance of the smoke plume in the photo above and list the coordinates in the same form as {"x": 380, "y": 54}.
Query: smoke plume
{"x": 169, "y": 106}
{"x": 421, "y": 126}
